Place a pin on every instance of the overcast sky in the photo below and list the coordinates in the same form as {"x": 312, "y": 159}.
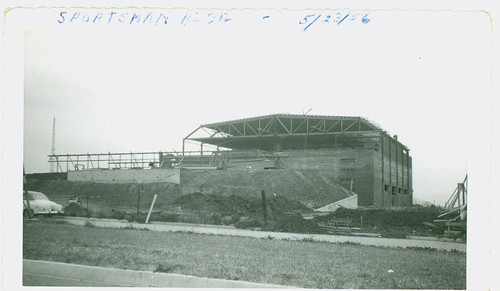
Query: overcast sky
{"x": 122, "y": 87}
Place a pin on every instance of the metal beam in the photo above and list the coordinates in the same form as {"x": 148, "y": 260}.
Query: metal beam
{"x": 192, "y": 132}
{"x": 297, "y": 128}
{"x": 232, "y": 125}
{"x": 268, "y": 126}
{"x": 335, "y": 124}
{"x": 351, "y": 125}
{"x": 250, "y": 126}
{"x": 287, "y": 130}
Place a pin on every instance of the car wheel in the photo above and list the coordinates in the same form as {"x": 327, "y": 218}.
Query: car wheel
{"x": 28, "y": 213}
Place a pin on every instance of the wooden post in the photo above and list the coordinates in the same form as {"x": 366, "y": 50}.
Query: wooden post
{"x": 88, "y": 214}
{"x": 264, "y": 205}
{"x": 138, "y": 199}
{"x": 151, "y": 208}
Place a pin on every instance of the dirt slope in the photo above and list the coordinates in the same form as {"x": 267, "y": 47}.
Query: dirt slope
{"x": 312, "y": 188}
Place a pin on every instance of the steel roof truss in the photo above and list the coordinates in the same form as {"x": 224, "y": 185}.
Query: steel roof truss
{"x": 320, "y": 126}
{"x": 348, "y": 127}
{"x": 247, "y": 124}
{"x": 331, "y": 127}
{"x": 280, "y": 122}
{"x": 232, "y": 125}
{"x": 267, "y": 127}
{"x": 298, "y": 127}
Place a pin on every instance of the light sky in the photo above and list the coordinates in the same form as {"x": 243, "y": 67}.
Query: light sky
{"x": 121, "y": 87}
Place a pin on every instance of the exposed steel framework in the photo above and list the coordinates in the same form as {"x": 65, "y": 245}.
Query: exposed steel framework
{"x": 459, "y": 197}
{"x": 454, "y": 218}
{"x": 75, "y": 162}
{"x": 288, "y": 131}
{"x": 264, "y": 134}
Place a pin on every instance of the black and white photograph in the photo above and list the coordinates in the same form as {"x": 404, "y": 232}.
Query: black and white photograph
{"x": 244, "y": 146}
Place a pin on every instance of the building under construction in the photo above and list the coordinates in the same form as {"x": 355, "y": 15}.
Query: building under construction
{"x": 341, "y": 150}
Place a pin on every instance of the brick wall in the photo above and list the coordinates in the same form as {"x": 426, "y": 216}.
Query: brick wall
{"x": 392, "y": 175}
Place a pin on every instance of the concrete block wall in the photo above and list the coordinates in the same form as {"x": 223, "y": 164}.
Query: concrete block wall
{"x": 126, "y": 176}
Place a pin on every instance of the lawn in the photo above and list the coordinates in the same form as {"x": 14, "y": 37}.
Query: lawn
{"x": 293, "y": 263}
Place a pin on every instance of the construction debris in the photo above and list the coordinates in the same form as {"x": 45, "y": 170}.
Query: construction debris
{"x": 454, "y": 219}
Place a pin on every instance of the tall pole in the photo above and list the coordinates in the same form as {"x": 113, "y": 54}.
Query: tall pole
{"x": 138, "y": 199}
{"x": 53, "y": 149}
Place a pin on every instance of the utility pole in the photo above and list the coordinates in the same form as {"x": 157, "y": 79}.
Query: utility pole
{"x": 53, "y": 167}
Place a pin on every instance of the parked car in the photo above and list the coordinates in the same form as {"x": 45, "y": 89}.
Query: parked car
{"x": 39, "y": 204}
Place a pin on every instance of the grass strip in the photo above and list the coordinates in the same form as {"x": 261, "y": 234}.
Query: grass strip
{"x": 294, "y": 263}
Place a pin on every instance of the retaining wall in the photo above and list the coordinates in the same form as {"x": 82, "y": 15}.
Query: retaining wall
{"x": 126, "y": 176}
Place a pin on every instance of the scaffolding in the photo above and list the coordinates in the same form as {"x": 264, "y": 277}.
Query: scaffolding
{"x": 109, "y": 161}
{"x": 148, "y": 160}
{"x": 454, "y": 217}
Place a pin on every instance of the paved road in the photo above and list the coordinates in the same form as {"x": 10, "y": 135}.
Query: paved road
{"x": 227, "y": 230}
{"x": 44, "y": 273}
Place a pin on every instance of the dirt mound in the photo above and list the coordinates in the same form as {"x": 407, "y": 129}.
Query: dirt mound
{"x": 284, "y": 205}
{"x": 388, "y": 222}
{"x": 75, "y": 209}
{"x": 239, "y": 206}
{"x": 313, "y": 188}
{"x": 232, "y": 205}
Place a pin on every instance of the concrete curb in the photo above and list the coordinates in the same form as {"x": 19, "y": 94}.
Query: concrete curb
{"x": 44, "y": 273}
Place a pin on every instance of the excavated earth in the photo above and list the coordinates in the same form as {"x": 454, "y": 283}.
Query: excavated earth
{"x": 232, "y": 197}
{"x": 309, "y": 187}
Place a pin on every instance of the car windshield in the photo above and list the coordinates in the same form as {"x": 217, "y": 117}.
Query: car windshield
{"x": 37, "y": 196}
